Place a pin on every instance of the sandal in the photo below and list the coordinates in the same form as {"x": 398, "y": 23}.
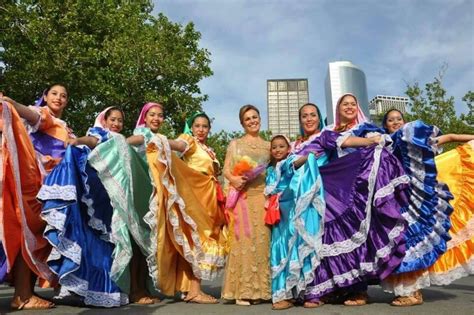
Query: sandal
{"x": 242, "y": 302}
{"x": 411, "y": 300}
{"x": 33, "y": 303}
{"x": 143, "y": 299}
{"x": 357, "y": 299}
{"x": 312, "y": 304}
{"x": 282, "y": 305}
{"x": 201, "y": 298}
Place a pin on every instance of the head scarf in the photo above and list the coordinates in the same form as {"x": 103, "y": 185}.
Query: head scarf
{"x": 360, "y": 118}
{"x": 189, "y": 122}
{"x": 40, "y": 101}
{"x": 280, "y": 135}
{"x": 100, "y": 119}
{"x": 321, "y": 120}
{"x": 145, "y": 109}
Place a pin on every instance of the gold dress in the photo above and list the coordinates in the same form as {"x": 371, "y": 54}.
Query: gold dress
{"x": 247, "y": 274}
{"x": 184, "y": 238}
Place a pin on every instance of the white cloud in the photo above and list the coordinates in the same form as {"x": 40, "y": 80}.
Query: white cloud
{"x": 393, "y": 42}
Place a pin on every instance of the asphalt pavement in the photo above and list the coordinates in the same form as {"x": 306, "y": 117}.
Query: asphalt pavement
{"x": 455, "y": 299}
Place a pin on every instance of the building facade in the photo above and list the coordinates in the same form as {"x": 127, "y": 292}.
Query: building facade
{"x": 344, "y": 77}
{"x": 284, "y": 98}
{"x": 380, "y": 104}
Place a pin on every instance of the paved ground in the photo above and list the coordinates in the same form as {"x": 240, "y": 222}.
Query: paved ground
{"x": 458, "y": 298}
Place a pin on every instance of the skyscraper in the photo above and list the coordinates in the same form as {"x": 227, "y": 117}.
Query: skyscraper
{"x": 344, "y": 77}
{"x": 380, "y": 104}
{"x": 284, "y": 98}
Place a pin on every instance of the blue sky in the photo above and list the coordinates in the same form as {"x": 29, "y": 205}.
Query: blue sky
{"x": 393, "y": 42}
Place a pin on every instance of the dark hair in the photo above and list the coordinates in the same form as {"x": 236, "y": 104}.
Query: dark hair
{"x": 111, "y": 109}
{"x": 385, "y": 117}
{"x": 245, "y": 109}
{"x": 280, "y": 137}
{"x": 272, "y": 161}
{"x": 41, "y": 101}
{"x": 203, "y": 115}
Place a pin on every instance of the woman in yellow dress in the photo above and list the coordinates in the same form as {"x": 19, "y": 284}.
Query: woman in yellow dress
{"x": 202, "y": 158}
{"x": 188, "y": 247}
{"x": 247, "y": 275}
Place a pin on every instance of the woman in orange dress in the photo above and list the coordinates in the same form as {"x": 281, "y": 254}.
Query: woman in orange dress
{"x": 29, "y": 151}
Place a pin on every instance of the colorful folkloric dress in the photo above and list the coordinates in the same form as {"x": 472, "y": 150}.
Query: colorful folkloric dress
{"x": 78, "y": 211}
{"x": 124, "y": 174}
{"x": 23, "y": 165}
{"x": 185, "y": 239}
{"x": 297, "y": 236}
{"x": 247, "y": 274}
{"x": 428, "y": 213}
{"x": 204, "y": 182}
{"x": 363, "y": 228}
{"x": 456, "y": 169}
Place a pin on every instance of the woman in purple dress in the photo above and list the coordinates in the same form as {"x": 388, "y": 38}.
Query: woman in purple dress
{"x": 363, "y": 227}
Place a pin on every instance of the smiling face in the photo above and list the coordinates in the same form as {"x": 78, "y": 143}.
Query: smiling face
{"x": 309, "y": 119}
{"x": 279, "y": 148}
{"x": 251, "y": 122}
{"x": 56, "y": 99}
{"x": 114, "y": 120}
{"x": 200, "y": 128}
{"x": 348, "y": 109}
{"x": 154, "y": 118}
{"x": 394, "y": 121}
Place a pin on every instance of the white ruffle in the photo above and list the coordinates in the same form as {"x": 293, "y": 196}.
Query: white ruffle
{"x": 66, "y": 192}
{"x": 71, "y": 283}
{"x": 360, "y": 237}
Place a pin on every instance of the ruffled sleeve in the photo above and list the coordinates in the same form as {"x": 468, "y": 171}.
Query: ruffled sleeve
{"x": 99, "y": 133}
{"x": 46, "y": 120}
{"x": 190, "y": 144}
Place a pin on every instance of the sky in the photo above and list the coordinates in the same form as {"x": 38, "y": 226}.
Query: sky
{"x": 395, "y": 43}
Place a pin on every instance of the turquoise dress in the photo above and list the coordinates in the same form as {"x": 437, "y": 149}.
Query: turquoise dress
{"x": 124, "y": 174}
{"x": 296, "y": 238}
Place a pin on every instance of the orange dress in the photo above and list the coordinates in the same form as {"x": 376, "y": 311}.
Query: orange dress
{"x": 21, "y": 177}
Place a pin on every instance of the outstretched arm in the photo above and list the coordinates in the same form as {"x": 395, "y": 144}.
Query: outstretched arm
{"x": 354, "y": 142}
{"x": 89, "y": 141}
{"x": 452, "y": 137}
{"x": 176, "y": 145}
{"x": 30, "y": 116}
{"x": 136, "y": 140}
{"x": 299, "y": 162}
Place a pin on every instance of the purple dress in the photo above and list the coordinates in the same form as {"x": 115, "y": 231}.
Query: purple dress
{"x": 363, "y": 227}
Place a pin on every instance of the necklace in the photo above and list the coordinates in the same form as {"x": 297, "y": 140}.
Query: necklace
{"x": 252, "y": 144}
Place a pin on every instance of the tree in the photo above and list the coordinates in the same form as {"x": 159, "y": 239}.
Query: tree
{"x": 109, "y": 52}
{"x": 436, "y": 108}
{"x": 469, "y": 117}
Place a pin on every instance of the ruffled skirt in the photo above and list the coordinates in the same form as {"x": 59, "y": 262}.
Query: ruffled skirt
{"x": 363, "y": 236}
{"x": 77, "y": 210}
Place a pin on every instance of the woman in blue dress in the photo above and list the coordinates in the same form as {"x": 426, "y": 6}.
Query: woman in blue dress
{"x": 78, "y": 213}
{"x": 430, "y": 211}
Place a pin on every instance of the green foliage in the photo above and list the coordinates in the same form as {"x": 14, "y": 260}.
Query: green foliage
{"x": 469, "y": 117}
{"x": 107, "y": 52}
{"x": 220, "y": 141}
{"x": 434, "y": 107}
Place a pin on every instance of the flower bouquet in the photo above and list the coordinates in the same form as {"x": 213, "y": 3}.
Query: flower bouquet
{"x": 247, "y": 167}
